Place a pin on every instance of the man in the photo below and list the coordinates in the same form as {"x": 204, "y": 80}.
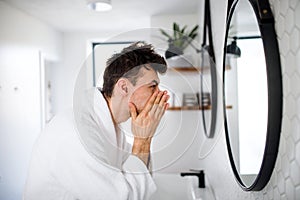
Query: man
{"x": 85, "y": 155}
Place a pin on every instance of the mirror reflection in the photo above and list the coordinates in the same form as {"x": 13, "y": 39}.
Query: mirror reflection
{"x": 205, "y": 91}
{"x": 245, "y": 88}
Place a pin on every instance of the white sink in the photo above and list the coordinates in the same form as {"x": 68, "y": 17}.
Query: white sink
{"x": 170, "y": 186}
{"x": 175, "y": 187}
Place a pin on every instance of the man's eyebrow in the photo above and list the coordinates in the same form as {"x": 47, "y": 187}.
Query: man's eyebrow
{"x": 155, "y": 82}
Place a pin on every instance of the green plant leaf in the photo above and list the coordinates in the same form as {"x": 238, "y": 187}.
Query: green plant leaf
{"x": 176, "y": 27}
{"x": 183, "y": 29}
{"x": 193, "y": 31}
{"x": 176, "y": 30}
{"x": 193, "y": 36}
{"x": 166, "y": 34}
{"x": 180, "y": 38}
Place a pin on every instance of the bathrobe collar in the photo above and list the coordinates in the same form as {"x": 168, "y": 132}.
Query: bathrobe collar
{"x": 101, "y": 138}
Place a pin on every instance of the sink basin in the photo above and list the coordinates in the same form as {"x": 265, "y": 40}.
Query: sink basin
{"x": 170, "y": 186}
{"x": 173, "y": 186}
{"x": 196, "y": 193}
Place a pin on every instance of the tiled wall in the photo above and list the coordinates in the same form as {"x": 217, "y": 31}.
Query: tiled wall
{"x": 285, "y": 180}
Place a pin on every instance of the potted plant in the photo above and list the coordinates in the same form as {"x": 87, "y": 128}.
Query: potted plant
{"x": 179, "y": 40}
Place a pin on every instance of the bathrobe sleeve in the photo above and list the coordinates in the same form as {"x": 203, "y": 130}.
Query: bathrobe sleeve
{"x": 87, "y": 178}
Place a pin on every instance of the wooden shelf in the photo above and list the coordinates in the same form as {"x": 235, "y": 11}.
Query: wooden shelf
{"x": 229, "y": 107}
{"x": 185, "y": 69}
{"x": 193, "y": 69}
{"x": 178, "y": 108}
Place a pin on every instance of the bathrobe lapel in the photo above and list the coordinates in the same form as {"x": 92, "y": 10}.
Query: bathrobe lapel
{"x": 98, "y": 134}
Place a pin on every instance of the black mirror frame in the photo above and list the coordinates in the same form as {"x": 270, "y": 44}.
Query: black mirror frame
{"x": 274, "y": 81}
{"x": 209, "y": 131}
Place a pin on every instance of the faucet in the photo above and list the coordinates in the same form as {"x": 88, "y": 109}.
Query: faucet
{"x": 199, "y": 174}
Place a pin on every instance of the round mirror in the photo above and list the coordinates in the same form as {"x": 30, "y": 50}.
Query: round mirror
{"x": 209, "y": 91}
{"x": 208, "y": 95}
{"x": 253, "y": 89}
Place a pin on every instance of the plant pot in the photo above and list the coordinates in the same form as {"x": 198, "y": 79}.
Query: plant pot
{"x": 173, "y": 51}
{"x": 185, "y": 60}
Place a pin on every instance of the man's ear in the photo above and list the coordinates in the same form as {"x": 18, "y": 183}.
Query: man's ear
{"x": 122, "y": 86}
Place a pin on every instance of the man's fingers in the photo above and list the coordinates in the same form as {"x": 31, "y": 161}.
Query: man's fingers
{"x": 166, "y": 106}
{"x": 156, "y": 103}
{"x": 133, "y": 111}
{"x": 162, "y": 103}
{"x": 163, "y": 99}
{"x": 162, "y": 106}
{"x": 150, "y": 103}
{"x": 162, "y": 111}
{"x": 158, "y": 97}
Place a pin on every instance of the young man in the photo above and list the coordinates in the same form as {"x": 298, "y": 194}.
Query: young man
{"x": 85, "y": 155}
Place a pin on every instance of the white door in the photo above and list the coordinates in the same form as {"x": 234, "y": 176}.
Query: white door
{"x": 20, "y": 116}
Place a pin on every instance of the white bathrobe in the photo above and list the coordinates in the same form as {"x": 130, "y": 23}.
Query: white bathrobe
{"x": 83, "y": 156}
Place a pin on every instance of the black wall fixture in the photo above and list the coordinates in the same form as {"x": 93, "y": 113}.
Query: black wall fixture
{"x": 233, "y": 47}
{"x": 265, "y": 22}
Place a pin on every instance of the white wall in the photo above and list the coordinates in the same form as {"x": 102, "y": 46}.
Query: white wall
{"x": 22, "y": 40}
{"x": 21, "y": 29}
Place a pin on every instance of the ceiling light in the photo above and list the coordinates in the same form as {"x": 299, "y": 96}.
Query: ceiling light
{"x": 99, "y": 5}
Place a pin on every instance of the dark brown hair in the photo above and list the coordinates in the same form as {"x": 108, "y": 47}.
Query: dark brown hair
{"x": 128, "y": 63}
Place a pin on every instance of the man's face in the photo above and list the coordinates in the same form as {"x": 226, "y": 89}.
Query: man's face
{"x": 145, "y": 86}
